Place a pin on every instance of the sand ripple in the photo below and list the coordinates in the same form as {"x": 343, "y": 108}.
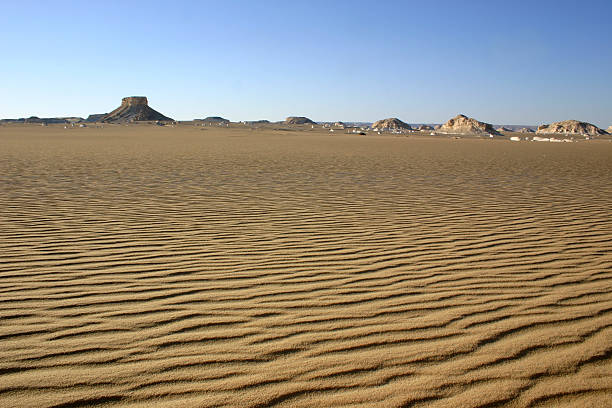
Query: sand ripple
{"x": 166, "y": 267}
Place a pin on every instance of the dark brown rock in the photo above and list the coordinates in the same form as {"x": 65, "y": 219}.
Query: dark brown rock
{"x": 134, "y": 109}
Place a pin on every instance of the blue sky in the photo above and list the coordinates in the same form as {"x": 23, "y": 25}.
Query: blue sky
{"x": 511, "y": 62}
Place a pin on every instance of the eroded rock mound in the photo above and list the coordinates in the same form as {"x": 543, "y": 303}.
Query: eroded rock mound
{"x": 134, "y": 109}
{"x": 298, "y": 120}
{"x": 391, "y": 123}
{"x": 503, "y": 129}
{"x": 424, "y": 128}
{"x": 573, "y": 127}
{"x": 526, "y": 130}
{"x": 213, "y": 119}
{"x": 461, "y": 124}
{"x": 33, "y": 119}
{"x": 609, "y": 130}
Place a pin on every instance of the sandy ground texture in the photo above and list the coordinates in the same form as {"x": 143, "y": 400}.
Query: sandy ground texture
{"x": 168, "y": 267}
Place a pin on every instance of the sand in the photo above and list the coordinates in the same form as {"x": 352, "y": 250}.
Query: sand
{"x": 167, "y": 267}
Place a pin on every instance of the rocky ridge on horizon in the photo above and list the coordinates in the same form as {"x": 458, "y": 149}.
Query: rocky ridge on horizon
{"x": 425, "y": 128}
{"x": 213, "y": 119}
{"x": 525, "y": 130}
{"x": 44, "y": 121}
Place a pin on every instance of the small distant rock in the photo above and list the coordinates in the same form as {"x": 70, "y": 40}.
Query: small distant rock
{"x": 572, "y": 127}
{"x": 609, "y": 130}
{"x": 461, "y": 124}
{"x": 33, "y": 119}
{"x": 298, "y": 120}
{"x": 256, "y": 122}
{"x": 425, "y": 128}
{"x": 503, "y": 129}
{"x": 213, "y": 119}
{"x": 391, "y": 123}
{"x": 526, "y": 130}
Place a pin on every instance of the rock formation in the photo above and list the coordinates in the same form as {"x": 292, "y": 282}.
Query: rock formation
{"x": 134, "y": 109}
{"x": 44, "y": 121}
{"x": 609, "y": 130}
{"x": 95, "y": 117}
{"x": 461, "y": 124}
{"x": 256, "y": 122}
{"x": 424, "y": 128}
{"x": 526, "y": 130}
{"x": 298, "y": 120}
{"x": 33, "y": 119}
{"x": 339, "y": 124}
{"x": 213, "y": 119}
{"x": 503, "y": 129}
{"x": 391, "y": 123}
{"x": 572, "y": 127}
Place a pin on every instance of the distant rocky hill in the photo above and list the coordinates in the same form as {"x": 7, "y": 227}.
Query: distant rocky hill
{"x": 391, "y": 123}
{"x": 526, "y": 130}
{"x": 45, "y": 121}
{"x": 35, "y": 119}
{"x": 134, "y": 109}
{"x": 425, "y": 127}
{"x": 573, "y": 127}
{"x": 298, "y": 120}
{"x": 609, "y": 130}
{"x": 461, "y": 124}
{"x": 213, "y": 119}
{"x": 503, "y": 129}
{"x": 513, "y": 128}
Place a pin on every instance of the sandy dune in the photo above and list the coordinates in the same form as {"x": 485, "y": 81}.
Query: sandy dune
{"x": 149, "y": 267}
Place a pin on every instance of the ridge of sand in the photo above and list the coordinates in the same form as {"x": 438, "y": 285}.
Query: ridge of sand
{"x": 146, "y": 266}
{"x": 571, "y": 127}
{"x": 461, "y": 124}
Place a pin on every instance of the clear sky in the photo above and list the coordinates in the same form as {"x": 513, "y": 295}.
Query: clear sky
{"x": 503, "y": 62}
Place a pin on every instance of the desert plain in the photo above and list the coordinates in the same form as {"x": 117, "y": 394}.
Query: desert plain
{"x": 160, "y": 266}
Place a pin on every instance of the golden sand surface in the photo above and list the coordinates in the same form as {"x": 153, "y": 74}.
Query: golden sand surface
{"x": 151, "y": 266}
